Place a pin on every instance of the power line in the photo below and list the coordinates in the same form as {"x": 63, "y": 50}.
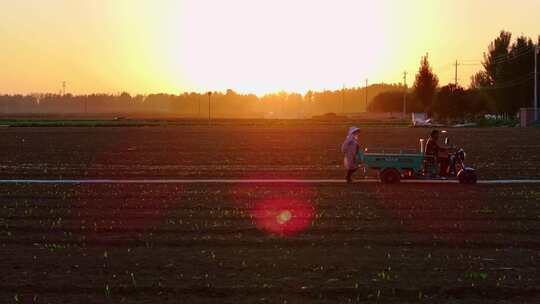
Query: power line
{"x": 500, "y": 58}
{"x": 510, "y": 57}
{"x": 517, "y": 54}
{"x": 517, "y": 81}
{"x": 511, "y": 83}
{"x": 443, "y": 67}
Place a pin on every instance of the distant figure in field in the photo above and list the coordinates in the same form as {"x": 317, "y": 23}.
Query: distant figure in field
{"x": 350, "y": 150}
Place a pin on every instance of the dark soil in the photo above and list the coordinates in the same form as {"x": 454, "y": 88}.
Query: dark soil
{"x": 204, "y": 244}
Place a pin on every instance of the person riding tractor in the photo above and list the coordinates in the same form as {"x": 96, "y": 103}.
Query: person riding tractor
{"x": 433, "y": 161}
{"x": 439, "y": 154}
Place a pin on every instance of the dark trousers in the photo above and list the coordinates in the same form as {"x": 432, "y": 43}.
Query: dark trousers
{"x": 444, "y": 162}
{"x": 349, "y": 175}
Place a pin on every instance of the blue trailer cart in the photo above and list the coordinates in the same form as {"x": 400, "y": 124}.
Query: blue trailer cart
{"x": 392, "y": 167}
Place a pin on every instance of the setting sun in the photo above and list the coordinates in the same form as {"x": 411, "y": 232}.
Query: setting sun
{"x": 279, "y": 45}
{"x": 249, "y": 46}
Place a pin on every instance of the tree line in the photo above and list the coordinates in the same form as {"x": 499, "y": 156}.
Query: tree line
{"x": 503, "y": 85}
{"x": 229, "y": 104}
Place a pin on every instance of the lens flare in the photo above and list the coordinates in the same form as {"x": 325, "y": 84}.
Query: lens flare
{"x": 283, "y": 217}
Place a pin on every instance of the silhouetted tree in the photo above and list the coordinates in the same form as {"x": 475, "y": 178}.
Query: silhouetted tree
{"x": 520, "y": 75}
{"x": 387, "y": 102}
{"x": 497, "y": 53}
{"x": 478, "y": 102}
{"x": 506, "y": 79}
{"x": 425, "y": 85}
{"x": 451, "y": 102}
{"x": 495, "y": 72}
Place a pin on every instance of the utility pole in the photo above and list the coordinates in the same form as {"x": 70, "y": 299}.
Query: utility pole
{"x": 365, "y": 106}
{"x": 455, "y": 74}
{"x": 404, "y": 94}
{"x": 199, "y": 116}
{"x": 209, "y": 118}
{"x": 309, "y": 100}
{"x": 343, "y": 100}
{"x": 536, "y": 49}
{"x": 63, "y": 88}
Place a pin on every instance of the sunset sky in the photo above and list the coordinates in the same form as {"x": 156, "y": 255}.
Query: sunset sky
{"x": 258, "y": 46}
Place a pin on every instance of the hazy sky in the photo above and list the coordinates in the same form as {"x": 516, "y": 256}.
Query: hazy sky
{"x": 144, "y": 46}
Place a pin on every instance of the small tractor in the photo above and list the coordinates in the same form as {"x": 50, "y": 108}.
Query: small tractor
{"x": 391, "y": 168}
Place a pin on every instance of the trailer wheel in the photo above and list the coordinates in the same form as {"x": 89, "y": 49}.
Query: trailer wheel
{"x": 467, "y": 177}
{"x": 390, "y": 176}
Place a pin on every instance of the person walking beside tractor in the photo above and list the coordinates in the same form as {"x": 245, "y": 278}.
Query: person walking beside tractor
{"x": 350, "y": 148}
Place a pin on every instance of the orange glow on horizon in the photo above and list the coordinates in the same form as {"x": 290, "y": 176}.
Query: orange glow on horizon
{"x": 250, "y": 46}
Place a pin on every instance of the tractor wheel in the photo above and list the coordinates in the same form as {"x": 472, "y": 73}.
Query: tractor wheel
{"x": 472, "y": 178}
{"x": 467, "y": 177}
{"x": 390, "y": 176}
